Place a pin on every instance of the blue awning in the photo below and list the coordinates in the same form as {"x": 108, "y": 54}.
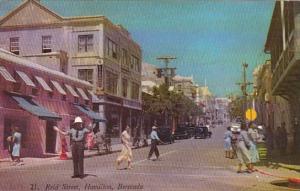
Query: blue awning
{"x": 93, "y": 115}
{"x": 35, "y": 109}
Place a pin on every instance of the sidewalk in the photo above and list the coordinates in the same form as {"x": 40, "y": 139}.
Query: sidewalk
{"x": 6, "y": 163}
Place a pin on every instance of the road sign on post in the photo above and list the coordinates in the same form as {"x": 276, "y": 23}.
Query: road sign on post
{"x": 251, "y": 114}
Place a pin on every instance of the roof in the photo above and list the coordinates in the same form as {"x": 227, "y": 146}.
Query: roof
{"x": 56, "y": 19}
{"x": 183, "y": 78}
{"x": 8, "y": 56}
{"x": 273, "y": 22}
{"x": 149, "y": 83}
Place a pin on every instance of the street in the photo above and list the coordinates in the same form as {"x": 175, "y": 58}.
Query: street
{"x": 185, "y": 165}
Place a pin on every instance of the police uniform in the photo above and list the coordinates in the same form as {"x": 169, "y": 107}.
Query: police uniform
{"x": 77, "y": 145}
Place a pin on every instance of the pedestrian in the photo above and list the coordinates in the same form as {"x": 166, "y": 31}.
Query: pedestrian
{"x": 10, "y": 145}
{"x": 241, "y": 144}
{"x": 227, "y": 143}
{"x": 99, "y": 140}
{"x": 126, "y": 153}
{"x": 16, "y": 140}
{"x": 77, "y": 135}
{"x": 253, "y": 138}
{"x": 283, "y": 138}
{"x": 90, "y": 140}
{"x": 154, "y": 142}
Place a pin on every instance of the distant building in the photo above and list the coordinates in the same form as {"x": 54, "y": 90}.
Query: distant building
{"x": 185, "y": 85}
{"x": 150, "y": 78}
{"x": 90, "y": 48}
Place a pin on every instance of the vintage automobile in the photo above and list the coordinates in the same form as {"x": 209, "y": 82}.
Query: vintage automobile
{"x": 181, "y": 133}
{"x": 165, "y": 135}
{"x": 201, "y": 132}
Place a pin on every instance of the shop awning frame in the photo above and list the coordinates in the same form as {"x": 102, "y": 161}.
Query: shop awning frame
{"x": 90, "y": 113}
{"x": 34, "y": 108}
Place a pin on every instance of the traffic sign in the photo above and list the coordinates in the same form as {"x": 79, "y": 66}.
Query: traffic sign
{"x": 251, "y": 114}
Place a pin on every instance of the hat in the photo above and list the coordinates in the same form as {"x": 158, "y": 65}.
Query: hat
{"x": 235, "y": 129}
{"x": 154, "y": 127}
{"x": 78, "y": 120}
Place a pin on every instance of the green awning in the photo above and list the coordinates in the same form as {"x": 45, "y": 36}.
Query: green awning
{"x": 35, "y": 109}
{"x": 90, "y": 113}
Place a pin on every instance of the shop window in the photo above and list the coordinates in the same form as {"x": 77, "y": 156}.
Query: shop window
{"x": 8, "y": 124}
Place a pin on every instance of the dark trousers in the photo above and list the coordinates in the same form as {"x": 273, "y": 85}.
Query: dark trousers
{"x": 154, "y": 149}
{"x": 78, "y": 155}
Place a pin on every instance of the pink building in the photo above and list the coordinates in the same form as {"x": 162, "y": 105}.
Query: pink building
{"x": 35, "y": 98}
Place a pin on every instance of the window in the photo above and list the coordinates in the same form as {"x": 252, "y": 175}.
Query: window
{"x": 85, "y": 43}
{"x": 124, "y": 87}
{"x": 111, "y": 49}
{"x": 124, "y": 58}
{"x": 135, "y": 91}
{"x": 134, "y": 63}
{"x": 46, "y": 44}
{"x": 86, "y": 74}
{"x": 14, "y": 45}
{"x": 111, "y": 82}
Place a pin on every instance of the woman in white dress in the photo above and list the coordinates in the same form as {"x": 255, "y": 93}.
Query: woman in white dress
{"x": 126, "y": 153}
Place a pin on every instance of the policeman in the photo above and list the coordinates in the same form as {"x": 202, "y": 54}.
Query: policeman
{"x": 77, "y": 135}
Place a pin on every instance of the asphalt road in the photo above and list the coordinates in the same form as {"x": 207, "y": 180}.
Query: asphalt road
{"x": 186, "y": 165}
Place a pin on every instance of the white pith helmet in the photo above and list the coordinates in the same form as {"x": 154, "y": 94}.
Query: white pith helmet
{"x": 78, "y": 120}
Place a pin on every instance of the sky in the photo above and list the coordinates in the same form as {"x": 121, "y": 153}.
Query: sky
{"x": 210, "y": 38}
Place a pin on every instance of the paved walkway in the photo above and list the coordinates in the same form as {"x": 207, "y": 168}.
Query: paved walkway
{"x": 30, "y": 161}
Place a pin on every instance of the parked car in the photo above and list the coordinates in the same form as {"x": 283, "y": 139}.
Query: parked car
{"x": 201, "y": 132}
{"x": 191, "y": 131}
{"x": 181, "y": 133}
{"x": 165, "y": 134}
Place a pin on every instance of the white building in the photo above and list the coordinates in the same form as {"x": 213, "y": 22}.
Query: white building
{"x": 90, "y": 48}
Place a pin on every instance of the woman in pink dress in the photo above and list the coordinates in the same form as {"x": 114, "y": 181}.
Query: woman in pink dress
{"x": 90, "y": 140}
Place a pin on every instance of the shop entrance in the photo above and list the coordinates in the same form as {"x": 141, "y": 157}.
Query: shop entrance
{"x": 50, "y": 137}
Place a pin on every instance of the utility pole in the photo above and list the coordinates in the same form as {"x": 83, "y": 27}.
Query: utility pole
{"x": 167, "y": 71}
{"x": 244, "y": 86}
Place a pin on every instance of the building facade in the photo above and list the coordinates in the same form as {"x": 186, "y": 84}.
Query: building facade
{"x": 35, "y": 98}
{"x": 283, "y": 45}
{"x": 90, "y": 48}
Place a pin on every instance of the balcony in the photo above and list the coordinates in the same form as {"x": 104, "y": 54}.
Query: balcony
{"x": 286, "y": 75}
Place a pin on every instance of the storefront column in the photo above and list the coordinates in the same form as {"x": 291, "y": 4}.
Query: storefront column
{"x": 102, "y": 124}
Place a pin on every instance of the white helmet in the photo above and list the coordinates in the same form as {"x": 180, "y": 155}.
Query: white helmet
{"x": 78, "y": 120}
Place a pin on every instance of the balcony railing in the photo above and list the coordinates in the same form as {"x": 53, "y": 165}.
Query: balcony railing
{"x": 284, "y": 61}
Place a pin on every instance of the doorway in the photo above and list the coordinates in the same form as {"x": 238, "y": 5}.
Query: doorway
{"x": 50, "y": 137}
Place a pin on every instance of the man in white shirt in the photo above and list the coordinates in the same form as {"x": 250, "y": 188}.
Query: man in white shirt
{"x": 154, "y": 142}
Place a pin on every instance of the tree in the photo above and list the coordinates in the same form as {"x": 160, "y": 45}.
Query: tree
{"x": 164, "y": 103}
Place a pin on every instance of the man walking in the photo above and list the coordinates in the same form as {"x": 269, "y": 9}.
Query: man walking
{"x": 154, "y": 142}
{"x": 77, "y": 135}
